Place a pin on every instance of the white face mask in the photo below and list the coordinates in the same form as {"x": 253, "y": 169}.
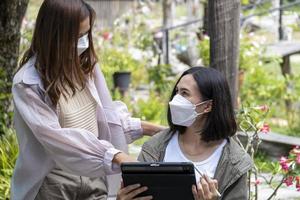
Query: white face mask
{"x": 183, "y": 112}
{"x": 83, "y": 44}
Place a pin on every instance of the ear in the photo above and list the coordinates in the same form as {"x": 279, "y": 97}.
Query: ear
{"x": 208, "y": 106}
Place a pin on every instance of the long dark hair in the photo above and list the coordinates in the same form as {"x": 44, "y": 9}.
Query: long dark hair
{"x": 54, "y": 44}
{"x": 220, "y": 122}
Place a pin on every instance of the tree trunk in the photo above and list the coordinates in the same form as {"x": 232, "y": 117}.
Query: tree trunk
{"x": 224, "y": 29}
{"x": 167, "y": 13}
{"x": 11, "y": 16}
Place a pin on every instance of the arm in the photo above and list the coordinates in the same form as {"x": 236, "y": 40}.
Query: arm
{"x": 151, "y": 129}
{"x": 238, "y": 190}
{"x": 117, "y": 112}
{"x": 75, "y": 150}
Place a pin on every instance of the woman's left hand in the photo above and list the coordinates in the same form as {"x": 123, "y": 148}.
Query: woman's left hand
{"x": 207, "y": 189}
{"x": 130, "y": 192}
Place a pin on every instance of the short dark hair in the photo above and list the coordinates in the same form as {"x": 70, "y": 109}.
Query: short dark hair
{"x": 212, "y": 85}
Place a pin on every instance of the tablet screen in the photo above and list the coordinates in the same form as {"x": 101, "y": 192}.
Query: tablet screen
{"x": 164, "y": 180}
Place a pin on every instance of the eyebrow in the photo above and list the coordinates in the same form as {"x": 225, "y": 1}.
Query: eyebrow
{"x": 182, "y": 89}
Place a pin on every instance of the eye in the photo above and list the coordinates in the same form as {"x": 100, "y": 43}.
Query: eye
{"x": 184, "y": 93}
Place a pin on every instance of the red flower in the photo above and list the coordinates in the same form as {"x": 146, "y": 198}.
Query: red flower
{"x": 257, "y": 182}
{"x": 289, "y": 180}
{"x": 106, "y": 35}
{"x": 284, "y": 164}
{"x": 265, "y": 128}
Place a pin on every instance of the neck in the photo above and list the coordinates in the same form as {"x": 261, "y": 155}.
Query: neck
{"x": 192, "y": 137}
{"x": 192, "y": 134}
{"x": 194, "y": 148}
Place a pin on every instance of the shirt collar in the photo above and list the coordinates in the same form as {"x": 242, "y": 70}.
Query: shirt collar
{"x": 31, "y": 75}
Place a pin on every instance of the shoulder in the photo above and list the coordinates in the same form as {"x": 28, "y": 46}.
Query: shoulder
{"x": 233, "y": 167}
{"x": 238, "y": 157}
{"x": 160, "y": 139}
{"x": 28, "y": 75}
{"x": 238, "y": 153}
{"x": 153, "y": 149}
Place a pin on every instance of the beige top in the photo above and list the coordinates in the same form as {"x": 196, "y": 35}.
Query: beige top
{"x": 78, "y": 111}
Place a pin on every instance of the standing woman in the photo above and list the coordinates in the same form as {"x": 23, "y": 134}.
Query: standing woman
{"x": 70, "y": 132}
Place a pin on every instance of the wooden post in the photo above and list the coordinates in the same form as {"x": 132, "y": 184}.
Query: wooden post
{"x": 167, "y": 22}
{"x": 275, "y": 16}
{"x": 286, "y": 71}
{"x": 280, "y": 28}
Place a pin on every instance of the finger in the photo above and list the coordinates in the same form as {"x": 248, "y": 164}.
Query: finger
{"x": 206, "y": 191}
{"x": 195, "y": 193}
{"x": 136, "y": 192}
{"x": 200, "y": 191}
{"x": 216, "y": 184}
{"x": 213, "y": 186}
{"x": 204, "y": 185}
{"x": 129, "y": 188}
{"x": 144, "y": 198}
{"x": 211, "y": 183}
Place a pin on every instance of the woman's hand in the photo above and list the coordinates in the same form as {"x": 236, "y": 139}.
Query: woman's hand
{"x": 123, "y": 157}
{"x": 131, "y": 191}
{"x": 207, "y": 189}
{"x": 151, "y": 129}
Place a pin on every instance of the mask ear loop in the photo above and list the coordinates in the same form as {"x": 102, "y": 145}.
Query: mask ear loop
{"x": 198, "y": 104}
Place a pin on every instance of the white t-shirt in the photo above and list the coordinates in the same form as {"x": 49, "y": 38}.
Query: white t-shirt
{"x": 208, "y": 166}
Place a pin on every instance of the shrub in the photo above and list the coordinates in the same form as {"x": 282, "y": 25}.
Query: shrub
{"x": 8, "y": 155}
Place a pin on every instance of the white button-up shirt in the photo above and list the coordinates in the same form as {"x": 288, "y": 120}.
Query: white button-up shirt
{"x": 44, "y": 144}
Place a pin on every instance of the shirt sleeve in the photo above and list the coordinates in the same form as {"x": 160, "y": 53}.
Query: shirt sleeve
{"x": 132, "y": 126}
{"x": 74, "y": 150}
{"x": 117, "y": 111}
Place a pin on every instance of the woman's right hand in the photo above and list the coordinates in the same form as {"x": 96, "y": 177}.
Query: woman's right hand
{"x": 123, "y": 157}
{"x": 131, "y": 191}
{"x": 207, "y": 189}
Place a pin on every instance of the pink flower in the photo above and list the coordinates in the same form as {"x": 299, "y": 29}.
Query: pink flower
{"x": 284, "y": 164}
{"x": 263, "y": 108}
{"x": 106, "y": 35}
{"x": 289, "y": 180}
{"x": 265, "y": 128}
{"x": 257, "y": 182}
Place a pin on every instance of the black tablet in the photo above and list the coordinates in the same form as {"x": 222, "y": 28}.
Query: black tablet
{"x": 164, "y": 180}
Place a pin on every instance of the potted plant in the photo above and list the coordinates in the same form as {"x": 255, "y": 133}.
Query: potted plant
{"x": 121, "y": 80}
{"x": 118, "y": 67}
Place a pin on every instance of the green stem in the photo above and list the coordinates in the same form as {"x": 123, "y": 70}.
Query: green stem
{"x": 277, "y": 188}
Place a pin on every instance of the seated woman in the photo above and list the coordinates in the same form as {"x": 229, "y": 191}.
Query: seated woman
{"x": 202, "y": 123}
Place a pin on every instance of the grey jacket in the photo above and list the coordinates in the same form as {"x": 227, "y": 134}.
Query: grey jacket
{"x": 231, "y": 171}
